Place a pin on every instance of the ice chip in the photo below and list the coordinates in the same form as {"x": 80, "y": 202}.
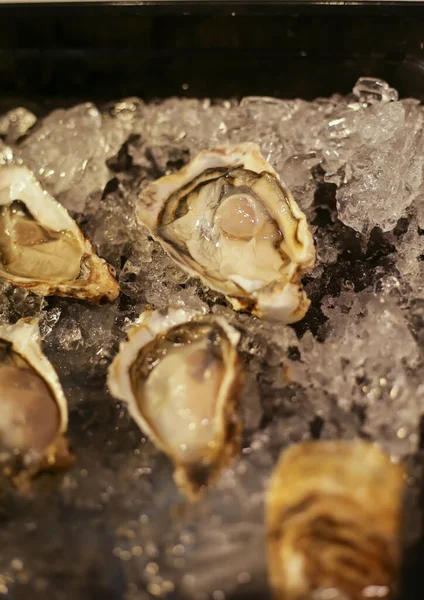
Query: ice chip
{"x": 16, "y": 123}
{"x": 68, "y": 152}
{"x": 371, "y": 89}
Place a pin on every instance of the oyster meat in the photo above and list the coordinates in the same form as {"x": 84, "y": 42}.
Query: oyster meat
{"x": 333, "y": 522}
{"x": 42, "y": 249}
{"x": 34, "y": 412}
{"x": 227, "y": 218}
{"x": 179, "y": 373}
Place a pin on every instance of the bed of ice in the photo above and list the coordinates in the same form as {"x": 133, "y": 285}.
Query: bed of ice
{"x": 114, "y": 526}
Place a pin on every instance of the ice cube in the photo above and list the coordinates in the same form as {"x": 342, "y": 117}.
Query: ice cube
{"x": 372, "y": 89}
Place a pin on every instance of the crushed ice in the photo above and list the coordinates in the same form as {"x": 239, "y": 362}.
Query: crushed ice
{"x": 353, "y": 367}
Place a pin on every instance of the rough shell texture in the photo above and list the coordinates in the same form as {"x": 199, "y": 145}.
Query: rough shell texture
{"x": 96, "y": 282}
{"x": 24, "y": 338}
{"x": 333, "y": 521}
{"x": 190, "y": 476}
{"x": 279, "y": 297}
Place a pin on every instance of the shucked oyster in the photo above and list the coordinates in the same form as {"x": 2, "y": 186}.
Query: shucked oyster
{"x": 228, "y": 219}
{"x": 179, "y": 374}
{"x": 333, "y": 521}
{"x": 42, "y": 249}
{"x": 33, "y": 408}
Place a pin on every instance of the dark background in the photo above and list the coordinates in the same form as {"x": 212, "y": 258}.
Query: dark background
{"x": 220, "y": 49}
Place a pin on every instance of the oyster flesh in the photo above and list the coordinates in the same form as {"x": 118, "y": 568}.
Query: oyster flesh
{"x": 227, "y": 218}
{"x": 42, "y": 249}
{"x": 179, "y": 373}
{"x": 333, "y": 522}
{"x": 34, "y": 412}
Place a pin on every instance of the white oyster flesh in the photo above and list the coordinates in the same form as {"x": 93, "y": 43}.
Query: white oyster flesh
{"x": 179, "y": 374}
{"x": 29, "y": 414}
{"x": 228, "y": 219}
{"x": 41, "y": 246}
{"x": 33, "y": 408}
{"x": 169, "y": 399}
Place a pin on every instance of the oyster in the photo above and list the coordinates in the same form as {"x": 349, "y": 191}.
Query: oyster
{"x": 333, "y": 522}
{"x": 34, "y": 412}
{"x": 227, "y": 218}
{"x": 179, "y": 373}
{"x": 42, "y": 249}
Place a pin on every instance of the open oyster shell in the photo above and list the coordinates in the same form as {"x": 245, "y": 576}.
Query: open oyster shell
{"x": 42, "y": 249}
{"x": 227, "y": 218}
{"x": 333, "y": 522}
{"x": 33, "y": 407}
{"x": 179, "y": 373}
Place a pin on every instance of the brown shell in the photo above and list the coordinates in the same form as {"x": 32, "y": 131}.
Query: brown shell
{"x": 21, "y": 467}
{"x": 96, "y": 282}
{"x": 21, "y": 470}
{"x": 191, "y": 477}
{"x": 97, "y": 286}
{"x": 333, "y": 521}
{"x": 281, "y": 299}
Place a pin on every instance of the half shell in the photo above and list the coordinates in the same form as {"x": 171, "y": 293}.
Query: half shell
{"x": 33, "y": 407}
{"x": 227, "y": 218}
{"x": 179, "y": 373}
{"x": 42, "y": 249}
{"x": 333, "y": 522}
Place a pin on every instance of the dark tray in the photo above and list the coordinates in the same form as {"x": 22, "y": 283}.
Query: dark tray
{"x": 59, "y": 54}
{"x": 220, "y": 49}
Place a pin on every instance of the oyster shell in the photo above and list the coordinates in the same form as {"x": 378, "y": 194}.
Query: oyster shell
{"x": 179, "y": 373}
{"x": 227, "y": 218}
{"x": 33, "y": 408}
{"x": 42, "y": 249}
{"x": 333, "y": 521}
